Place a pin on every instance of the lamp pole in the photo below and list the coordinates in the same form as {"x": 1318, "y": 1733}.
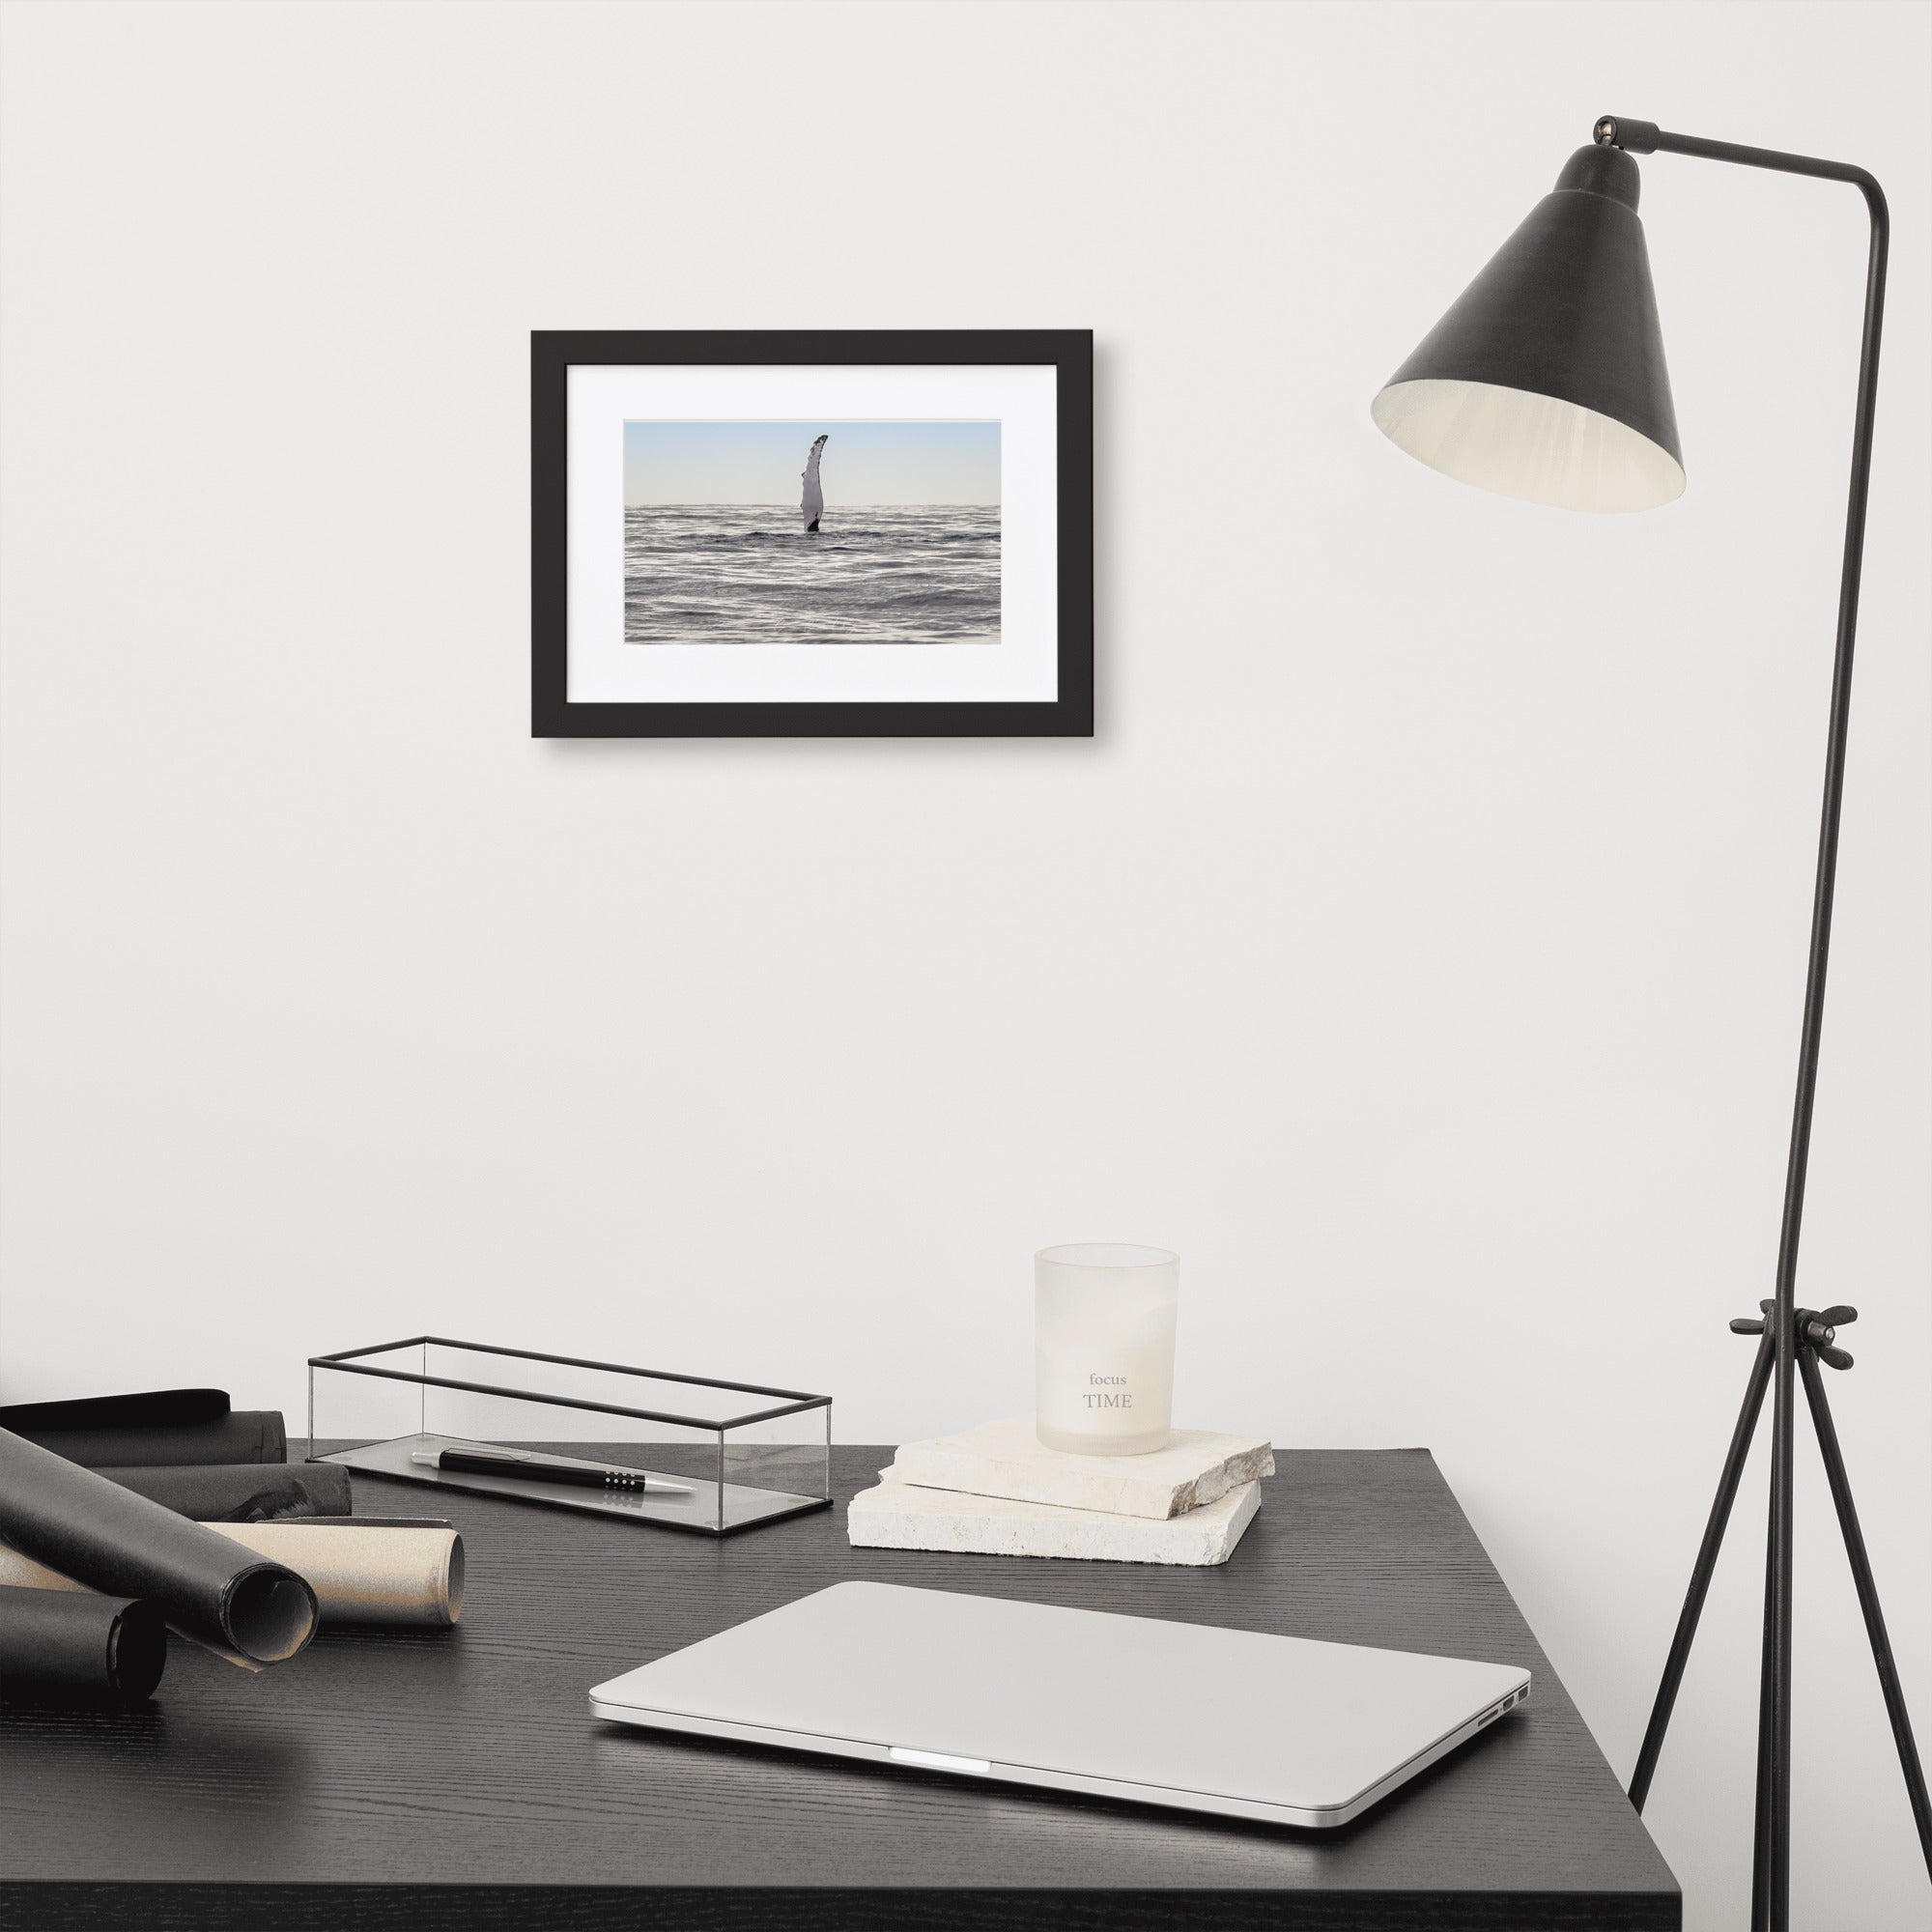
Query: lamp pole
{"x": 1545, "y": 380}
{"x": 1772, "y": 1866}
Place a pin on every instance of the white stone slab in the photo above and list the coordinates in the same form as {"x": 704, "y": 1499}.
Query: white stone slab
{"x": 904, "y": 1516}
{"x": 1006, "y": 1458}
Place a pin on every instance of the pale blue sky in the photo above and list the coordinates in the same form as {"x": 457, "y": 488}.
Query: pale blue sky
{"x": 763, "y": 462}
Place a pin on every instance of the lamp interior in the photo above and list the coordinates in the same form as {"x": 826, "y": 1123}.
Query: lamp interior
{"x": 1537, "y": 448}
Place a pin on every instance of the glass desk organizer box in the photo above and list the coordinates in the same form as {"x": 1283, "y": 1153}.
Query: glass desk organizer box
{"x": 720, "y": 1455}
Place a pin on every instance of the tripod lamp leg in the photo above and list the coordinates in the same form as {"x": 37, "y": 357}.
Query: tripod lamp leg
{"x": 1862, "y": 1577}
{"x": 1761, "y": 1812}
{"x": 1700, "y": 1574}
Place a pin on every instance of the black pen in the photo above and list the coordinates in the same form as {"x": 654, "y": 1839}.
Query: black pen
{"x": 531, "y": 1467}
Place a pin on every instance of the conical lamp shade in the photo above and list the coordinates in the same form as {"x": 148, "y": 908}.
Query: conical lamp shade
{"x": 1546, "y": 379}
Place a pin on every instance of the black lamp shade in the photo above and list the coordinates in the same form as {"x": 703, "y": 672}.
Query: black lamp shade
{"x": 1546, "y": 379}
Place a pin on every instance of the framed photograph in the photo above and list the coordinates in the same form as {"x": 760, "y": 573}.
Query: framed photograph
{"x": 811, "y": 534}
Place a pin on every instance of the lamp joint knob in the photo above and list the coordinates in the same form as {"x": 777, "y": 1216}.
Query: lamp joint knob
{"x": 1619, "y": 130}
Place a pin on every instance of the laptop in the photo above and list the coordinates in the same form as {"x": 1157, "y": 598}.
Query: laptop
{"x": 1236, "y": 1722}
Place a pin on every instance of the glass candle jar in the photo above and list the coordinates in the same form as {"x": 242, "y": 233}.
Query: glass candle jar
{"x": 1103, "y": 1347}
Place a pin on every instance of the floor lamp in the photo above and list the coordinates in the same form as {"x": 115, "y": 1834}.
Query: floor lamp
{"x": 1547, "y": 382}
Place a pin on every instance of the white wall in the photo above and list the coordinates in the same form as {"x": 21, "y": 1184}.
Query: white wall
{"x": 1417, "y": 948}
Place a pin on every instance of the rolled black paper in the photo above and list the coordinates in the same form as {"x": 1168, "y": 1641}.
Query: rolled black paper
{"x": 241, "y": 1492}
{"x": 148, "y": 1408}
{"x": 111, "y": 1540}
{"x": 241, "y": 1435}
{"x": 70, "y": 1647}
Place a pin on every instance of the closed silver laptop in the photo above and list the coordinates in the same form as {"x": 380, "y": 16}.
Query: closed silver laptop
{"x": 1238, "y": 1723}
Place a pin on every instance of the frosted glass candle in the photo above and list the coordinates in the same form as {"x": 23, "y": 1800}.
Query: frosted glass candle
{"x": 1103, "y": 1347}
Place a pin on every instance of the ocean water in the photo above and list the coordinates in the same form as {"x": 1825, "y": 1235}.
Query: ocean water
{"x": 748, "y": 573}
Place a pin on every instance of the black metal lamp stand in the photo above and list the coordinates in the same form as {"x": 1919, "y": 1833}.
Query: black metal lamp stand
{"x": 1794, "y": 1338}
{"x": 1813, "y": 1333}
{"x": 1547, "y": 380}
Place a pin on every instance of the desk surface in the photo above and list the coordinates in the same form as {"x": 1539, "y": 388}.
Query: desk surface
{"x": 429, "y": 1780}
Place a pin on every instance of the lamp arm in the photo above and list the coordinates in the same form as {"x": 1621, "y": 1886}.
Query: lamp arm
{"x": 1646, "y": 137}
{"x": 1772, "y": 1877}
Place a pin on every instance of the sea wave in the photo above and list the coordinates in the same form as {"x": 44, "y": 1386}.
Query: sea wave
{"x": 748, "y": 573}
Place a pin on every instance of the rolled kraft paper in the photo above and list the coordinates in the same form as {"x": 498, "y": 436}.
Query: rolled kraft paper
{"x": 241, "y": 1492}
{"x": 75, "y": 1647}
{"x": 362, "y": 1571}
{"x": 254, "y": 1612}
{"x": 241, "y": 1435}
{"x": 365, "y": 1571}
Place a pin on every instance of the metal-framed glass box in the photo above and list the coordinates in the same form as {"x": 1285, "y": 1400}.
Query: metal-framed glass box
{"x": 719, "y": 1457}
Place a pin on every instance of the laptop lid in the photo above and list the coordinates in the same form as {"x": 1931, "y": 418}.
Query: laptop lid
{"x": 1185, "y": 1714}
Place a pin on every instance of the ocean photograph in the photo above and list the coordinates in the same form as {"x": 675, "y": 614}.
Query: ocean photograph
{"x": 811, "y": 534}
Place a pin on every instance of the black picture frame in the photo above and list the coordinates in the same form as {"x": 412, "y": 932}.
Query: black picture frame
{"x": 553, "y": 353}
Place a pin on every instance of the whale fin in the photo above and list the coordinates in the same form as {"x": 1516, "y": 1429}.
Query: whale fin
{"x": 813, "y": 505}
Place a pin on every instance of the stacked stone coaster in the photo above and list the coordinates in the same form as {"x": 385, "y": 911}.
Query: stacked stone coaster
{"x": 996, "y": 1490}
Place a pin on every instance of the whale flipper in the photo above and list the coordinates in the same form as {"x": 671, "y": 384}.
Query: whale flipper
{"x": 814, "y": 506}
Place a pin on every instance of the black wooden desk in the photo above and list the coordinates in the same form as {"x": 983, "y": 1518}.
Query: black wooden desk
{"x": 390, "y": 1779}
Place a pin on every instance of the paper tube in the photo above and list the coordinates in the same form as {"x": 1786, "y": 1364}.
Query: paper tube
{"x": 170, "y": 1426}
{"x": 363, "y": 1570}
{"x": 146, "y": 1409}
{"x": 72, "y": 1648}
{"x": 243, "y": 1436}
{"x": 108, "y": 1538}
{"x": 241, "y": 1492}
